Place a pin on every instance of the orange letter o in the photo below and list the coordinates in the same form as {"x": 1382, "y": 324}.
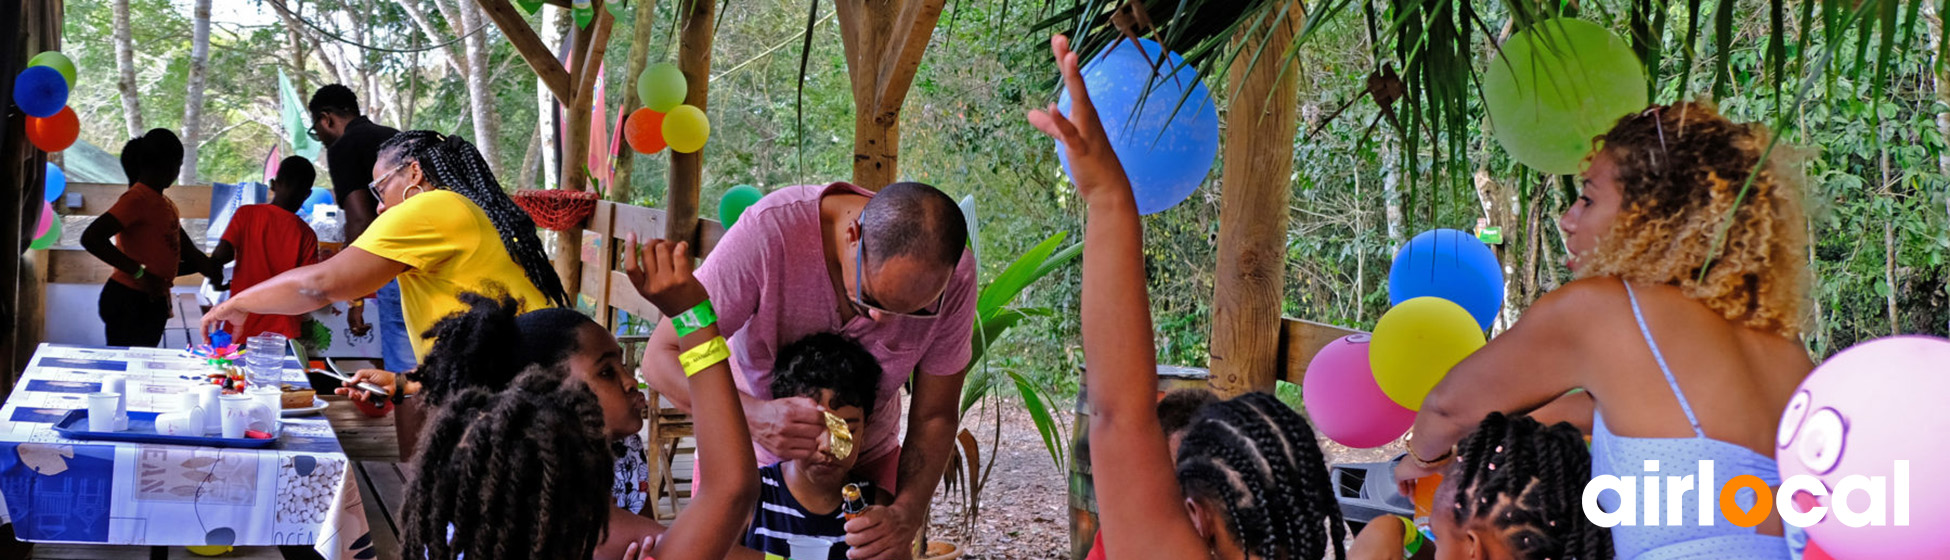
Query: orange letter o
{"x": 1763, "y": 503}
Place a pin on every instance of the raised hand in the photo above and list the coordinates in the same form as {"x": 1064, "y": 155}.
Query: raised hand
{"x": 1093, "y": 163}
{"x": 661, "y": 272}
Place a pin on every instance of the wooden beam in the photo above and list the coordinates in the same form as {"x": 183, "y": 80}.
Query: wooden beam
{"x": 884, "y": 41}
{"x": 575, "y": 153}
{"x": 1300, "y": 340}
{"x": 640, "y": 40}
{"x": 699, "y": 21}
{"x": 530, "y": 46}
{"x": 906, "y": 42}
{"x": 1251, "y": 274}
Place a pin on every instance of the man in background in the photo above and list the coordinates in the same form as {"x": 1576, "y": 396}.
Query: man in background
{"x": 267, "y": 239}
{"x": 351, "y": 148}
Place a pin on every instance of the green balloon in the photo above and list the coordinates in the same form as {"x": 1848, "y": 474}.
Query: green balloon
{"x": 735, "y": 201}
{"x": 59, "y": 62}
{"x": 1556, "y": 86}
{"x": 662, "y": 87}
{"x": 48, "y": 239}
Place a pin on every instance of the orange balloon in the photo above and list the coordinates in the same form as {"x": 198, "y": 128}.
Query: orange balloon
{"x": 55, "y": 133}
{"x": 645, "y": 131}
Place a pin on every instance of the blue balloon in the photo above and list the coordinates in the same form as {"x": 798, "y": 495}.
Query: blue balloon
{"x": 40, "y": 91}
{"x": 1166, "y": 155}
{"x": 1451, "y": 265}
{"x": 57, "y": 183}
{"x": 319, "y": 195}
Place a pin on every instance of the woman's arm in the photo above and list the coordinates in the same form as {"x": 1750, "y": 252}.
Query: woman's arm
{"x": 353, "y": 273}
{"x": 1530, "y": 365}
{"x": 1145, "y": 517}
{"x": 708, "y": 528}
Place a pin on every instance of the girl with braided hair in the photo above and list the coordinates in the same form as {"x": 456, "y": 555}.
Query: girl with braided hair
{"x": 1249, "y": 480}
{"x": 1690, "y": 250}
{"x": 1514, "y": 492}
{"x": 445, "y": 227}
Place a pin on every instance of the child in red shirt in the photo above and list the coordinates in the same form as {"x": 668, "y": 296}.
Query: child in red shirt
{"x": 267, "y": 239}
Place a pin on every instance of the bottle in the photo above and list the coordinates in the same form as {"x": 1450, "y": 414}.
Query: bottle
{"x": 325, "y": 222}
{"x": 853, "y": 502}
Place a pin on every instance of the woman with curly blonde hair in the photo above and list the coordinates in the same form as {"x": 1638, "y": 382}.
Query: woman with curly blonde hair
{"x": 1682, "y": 329}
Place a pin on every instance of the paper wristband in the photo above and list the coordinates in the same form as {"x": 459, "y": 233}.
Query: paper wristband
{"x": 1411, "y": 537}
{"x": 697, "y": 318}
{"x": 771, "y": 556}
{"x": 704, "y": 355}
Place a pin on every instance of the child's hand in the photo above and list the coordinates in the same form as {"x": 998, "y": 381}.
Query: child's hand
{"x": 661, "y": 272}
{"x": 640, "y": 551}
{"x": 1093, "y": 163}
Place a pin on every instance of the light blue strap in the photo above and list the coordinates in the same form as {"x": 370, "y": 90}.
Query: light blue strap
{"x": 1661, "y": 358}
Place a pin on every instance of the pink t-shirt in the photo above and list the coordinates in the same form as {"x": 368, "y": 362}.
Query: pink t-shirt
{"x": 770, "y": 287}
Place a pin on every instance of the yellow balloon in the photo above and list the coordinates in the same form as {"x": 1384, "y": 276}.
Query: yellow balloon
{"x": 215, "y": 550}
{"x": 686, "y": 128}
{"x": 1416, "y": 343}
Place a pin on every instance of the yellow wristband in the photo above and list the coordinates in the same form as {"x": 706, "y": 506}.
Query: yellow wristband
{"x": 770, "y": 556}
{"x": 704, "y": 356}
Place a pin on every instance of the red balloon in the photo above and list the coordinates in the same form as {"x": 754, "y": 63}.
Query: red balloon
{"x": 645, "y": 131}
{"x": 55, "y": 133}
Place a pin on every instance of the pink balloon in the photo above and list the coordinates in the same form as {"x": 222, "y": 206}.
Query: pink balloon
{"x": 1854, "y": 417}
{"x": 1343, "y": 400}
{"x": 47, "y": 220}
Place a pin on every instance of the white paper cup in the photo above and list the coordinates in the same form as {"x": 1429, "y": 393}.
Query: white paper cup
{"x": 179, "y": 423}
{"x": 192, "y": 407}
{"x": 237, "y": 415}
{"x": 208, "y": 398}
{"x": 113, "y": 383}
{"x": 809, "y": 548}
{"x": 101, "y": 411}
{"x": 267, "y": 419}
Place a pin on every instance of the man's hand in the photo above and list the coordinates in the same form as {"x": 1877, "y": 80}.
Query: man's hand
{"x": 661, "y": 272}
{"x": 355, "y": 320}
{"x": 882, "y": 533}
{"x": 789, "y": 428}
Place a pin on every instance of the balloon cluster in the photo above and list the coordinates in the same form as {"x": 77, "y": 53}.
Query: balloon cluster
{"x": 1159, "y": 117}
{"x": 41, "y": 91}
{"x": 664, "y": 119}
{"x": 1446, "y": 288}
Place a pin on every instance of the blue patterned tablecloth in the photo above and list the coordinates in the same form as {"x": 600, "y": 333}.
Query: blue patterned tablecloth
{"x": 102, "y": 492}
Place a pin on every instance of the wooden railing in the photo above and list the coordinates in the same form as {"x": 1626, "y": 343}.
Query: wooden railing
{"x": 605, "y": 288}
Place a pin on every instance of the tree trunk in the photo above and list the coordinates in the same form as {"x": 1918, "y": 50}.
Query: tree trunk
{"x": 125, "y": 64}
{"x": 456, "y": 57}
{"x": 193, "y": 101}
{"x": 646, "y": 13}
{"x": 1889, "y": 273}
{"x": 1261, "y": 120}
{"x": 1391, "y": 185}
{"x": 525, "y": 176}
{"x": 297, "y": 44}
{"x": 479, "y": 96}
{"x": 698, "y": 21}
{"x": 555, "y": 27}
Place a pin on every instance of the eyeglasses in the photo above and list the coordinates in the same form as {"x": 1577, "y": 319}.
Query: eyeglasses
{"x": 860, "y": 297}
{"x": 374, "y": 185}
{"x": 312, "y": 132}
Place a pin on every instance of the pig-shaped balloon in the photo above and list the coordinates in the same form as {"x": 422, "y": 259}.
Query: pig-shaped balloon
{"x": 1848, "y": 425}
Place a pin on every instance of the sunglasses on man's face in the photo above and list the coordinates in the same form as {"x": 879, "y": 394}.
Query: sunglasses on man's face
{"x": 861, "y": 299}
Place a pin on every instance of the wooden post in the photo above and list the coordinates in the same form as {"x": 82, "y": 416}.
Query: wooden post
{"x": 590, "y": 42}
{"x": 687, "y": 170}
{"x": 646, "y": 13}
{"x": 35, "y": 26}
{"x": 884, "y": 41}
{"x": 1251, "y": 275}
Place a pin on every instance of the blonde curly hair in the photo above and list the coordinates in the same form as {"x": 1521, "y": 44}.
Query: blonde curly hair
{"x": 1681, "y": 168}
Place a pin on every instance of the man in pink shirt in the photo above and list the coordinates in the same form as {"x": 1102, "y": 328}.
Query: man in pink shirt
{"x": 889, "y": 269}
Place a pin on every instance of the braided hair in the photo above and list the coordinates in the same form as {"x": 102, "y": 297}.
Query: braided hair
{"x": 479, "y": 346}
{"x": 1527, "y": 481}
{"x": 452, "y": 163}
{"x": 1258, "y": 459}
{"x": 520, "y": 473}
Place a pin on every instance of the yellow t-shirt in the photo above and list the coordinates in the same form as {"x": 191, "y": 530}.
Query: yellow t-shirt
{"x": 452, "y": 248}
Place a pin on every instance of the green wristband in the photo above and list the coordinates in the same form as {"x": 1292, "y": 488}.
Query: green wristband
{"x": 697, "y": 318}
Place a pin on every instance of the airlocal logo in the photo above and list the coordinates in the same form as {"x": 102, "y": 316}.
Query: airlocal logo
{"x": 1806, "y": 490}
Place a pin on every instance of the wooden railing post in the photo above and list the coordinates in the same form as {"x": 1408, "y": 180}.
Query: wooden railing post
{"x": 698, "y": 19}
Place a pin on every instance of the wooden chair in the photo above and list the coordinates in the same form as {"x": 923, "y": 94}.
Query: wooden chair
{"x": 665, "y": 432}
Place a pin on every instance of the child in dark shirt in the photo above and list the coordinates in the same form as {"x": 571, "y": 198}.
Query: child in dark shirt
{"x": 801, "y": 500}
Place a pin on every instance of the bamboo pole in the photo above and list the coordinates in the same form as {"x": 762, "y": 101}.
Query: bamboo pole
{"x": 646, "y": 13}
{"x": 590, "y": 44}
{"x": 530, "y": 46}
{"x": 687, "y": 170}
{"x": 1260, "y": 124}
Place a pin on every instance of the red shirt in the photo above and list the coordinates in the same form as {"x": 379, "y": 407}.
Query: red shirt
{"x": 150, "y": 233}
{"x": 267, "y": 240}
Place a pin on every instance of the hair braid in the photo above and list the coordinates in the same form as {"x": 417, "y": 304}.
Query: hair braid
{"x": 1526, "y": 480}
{"x": 1258, "y": 459}
{"x": 524, "y": 472}
{"x": 452, "y": 163}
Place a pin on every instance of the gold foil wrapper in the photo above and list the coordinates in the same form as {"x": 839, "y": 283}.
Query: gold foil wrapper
{"x": 839, "y": 438}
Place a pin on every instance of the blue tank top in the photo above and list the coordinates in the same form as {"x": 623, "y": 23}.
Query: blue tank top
{"x": 1683, "y": 538}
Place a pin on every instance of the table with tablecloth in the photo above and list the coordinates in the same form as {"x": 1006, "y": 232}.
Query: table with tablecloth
{"x": 296, "y": 492}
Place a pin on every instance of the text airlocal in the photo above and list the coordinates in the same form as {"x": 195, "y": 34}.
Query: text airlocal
{"x": 1885, "y": 505}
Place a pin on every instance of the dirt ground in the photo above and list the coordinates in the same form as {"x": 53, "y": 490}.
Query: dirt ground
{"x": 1025, "y": 507}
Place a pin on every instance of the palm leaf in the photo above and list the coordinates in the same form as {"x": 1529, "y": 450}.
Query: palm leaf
{"x": 1722, "y": 47}
{"x": 1692, "y": 40}
{"x": 1777, "y": 46}
{"x": 1033, "y": 400}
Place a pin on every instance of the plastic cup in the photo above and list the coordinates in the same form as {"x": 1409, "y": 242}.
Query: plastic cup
{"x": 236, "y": 415}
{"x": 209, "y": 397}
{"x": 809, "y": 548}
{"x": 119, "y": 385}
{"x": 264, "y": 362}
{"x": 272, "y": 401}
{"x": 101, "y": 411}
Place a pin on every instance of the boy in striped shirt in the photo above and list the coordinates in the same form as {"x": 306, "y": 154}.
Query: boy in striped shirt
{"x": 799, "y": 501}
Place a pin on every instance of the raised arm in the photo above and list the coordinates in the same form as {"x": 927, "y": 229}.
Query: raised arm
{"x": 353, "y": 273}
{"x": 706, "y": 530}
{"x": 1144, "y": 515}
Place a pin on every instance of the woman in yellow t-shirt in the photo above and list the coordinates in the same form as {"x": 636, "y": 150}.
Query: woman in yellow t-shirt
{"x": 445, "y": 227}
